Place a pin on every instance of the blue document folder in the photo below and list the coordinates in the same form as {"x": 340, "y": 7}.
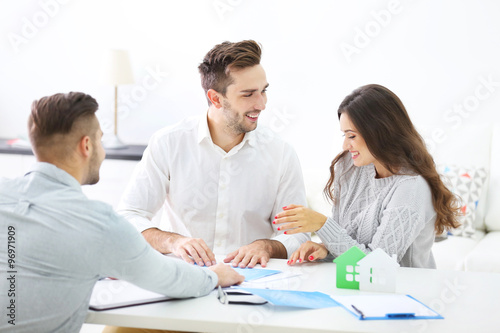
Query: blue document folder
{"x": 255, "y": 273}
{"x": 300, "y": 299}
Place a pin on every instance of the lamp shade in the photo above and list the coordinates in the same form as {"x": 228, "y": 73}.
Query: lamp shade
{"x": 116, "y": 68}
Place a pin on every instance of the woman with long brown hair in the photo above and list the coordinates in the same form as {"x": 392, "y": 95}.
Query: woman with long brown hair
{"x": 384, "y": 186}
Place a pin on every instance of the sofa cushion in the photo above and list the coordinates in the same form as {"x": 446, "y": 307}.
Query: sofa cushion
{"x": 484, "y": 257}
{"x": 467, "y": 185}
{"x": 467, "y": 145}
{"x": 450, "y": 253}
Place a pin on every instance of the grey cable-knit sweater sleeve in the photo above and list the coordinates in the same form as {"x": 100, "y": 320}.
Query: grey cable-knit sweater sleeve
{"x": 395, "y": 215}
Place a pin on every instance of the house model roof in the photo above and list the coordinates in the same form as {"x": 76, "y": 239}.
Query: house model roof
{"x": 351, "y": 256}
{"x": 378, "y": 256}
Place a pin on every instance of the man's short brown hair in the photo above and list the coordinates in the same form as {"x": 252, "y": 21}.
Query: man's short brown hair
{"x": 54, "y": 118}
{"x": 219, "y": 61}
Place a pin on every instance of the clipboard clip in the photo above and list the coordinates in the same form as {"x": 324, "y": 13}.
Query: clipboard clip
{"x": 400, "y": 315}
{"x": 361, "y": 314}
{"x": 388, "y": 316}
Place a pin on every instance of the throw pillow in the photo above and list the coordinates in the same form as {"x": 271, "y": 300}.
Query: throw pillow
{"x": 467, "y": 185}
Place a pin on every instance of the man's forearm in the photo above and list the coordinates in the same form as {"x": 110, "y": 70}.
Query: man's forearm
{"x": 160, "y": 240}
{"x": 276, "y": 248}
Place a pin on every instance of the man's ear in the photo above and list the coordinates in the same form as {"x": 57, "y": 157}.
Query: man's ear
{"x": 85, "y": 146}
{"x": 215, "y": 98}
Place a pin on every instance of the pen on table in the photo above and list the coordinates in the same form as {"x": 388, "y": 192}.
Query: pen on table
{"x": 358, "y": 311}
{"x": 221, "y": 295}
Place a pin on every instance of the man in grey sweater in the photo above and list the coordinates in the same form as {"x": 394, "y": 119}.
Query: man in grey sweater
{"x": 56, "y": 243}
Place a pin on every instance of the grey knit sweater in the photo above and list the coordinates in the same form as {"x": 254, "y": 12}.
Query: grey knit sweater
{"x": 394, "y": 213}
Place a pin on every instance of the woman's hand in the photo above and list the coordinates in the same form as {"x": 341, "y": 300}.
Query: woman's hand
{"x": 299, "y": 219}
{"x": 309, "y": 251}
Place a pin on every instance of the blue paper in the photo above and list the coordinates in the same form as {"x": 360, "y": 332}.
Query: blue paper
{"x": 255, "y": 273}
{"x": 300, "y": 299}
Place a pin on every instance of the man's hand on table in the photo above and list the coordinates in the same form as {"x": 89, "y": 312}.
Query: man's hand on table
{"x": 191, "y": 250}
{"x": 227, "y": 275}
{"x": 258, "y": 252}
{"x": 195, "y": 248}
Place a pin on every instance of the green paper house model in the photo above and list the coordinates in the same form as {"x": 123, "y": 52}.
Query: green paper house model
{"x": 348, "y": 269}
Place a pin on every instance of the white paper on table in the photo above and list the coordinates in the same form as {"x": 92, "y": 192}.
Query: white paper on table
{"x": 281, "y": 280}
{"x": 112, "y": 294}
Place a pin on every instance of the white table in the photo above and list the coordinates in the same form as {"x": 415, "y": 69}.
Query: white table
{"x": 468, "y": 301}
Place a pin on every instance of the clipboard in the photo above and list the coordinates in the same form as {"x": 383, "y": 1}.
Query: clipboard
{"x": 113, "y": 294}
{"x": 386, "y": 307}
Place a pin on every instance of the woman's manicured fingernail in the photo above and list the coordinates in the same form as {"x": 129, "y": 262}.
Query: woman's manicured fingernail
{"x": 274, "y": 222}
{"x": 279, "y": 228}
{"x": 311, "y": 258}
{"x": 285, "y": 232}
{"x": 300, "y": 260}
{"x": 284, "y": 207}
{"x": 276, "y": 217}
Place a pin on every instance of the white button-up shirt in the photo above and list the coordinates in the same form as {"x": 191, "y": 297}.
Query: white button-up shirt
{"x": 227, "y": 199}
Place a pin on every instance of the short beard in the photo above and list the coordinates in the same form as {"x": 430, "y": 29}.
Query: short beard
{"x": 93, "y": 174}
{"x": 234, "y": 124}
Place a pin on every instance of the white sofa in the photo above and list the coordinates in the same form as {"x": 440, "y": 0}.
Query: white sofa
{"x": 471, "y": 146}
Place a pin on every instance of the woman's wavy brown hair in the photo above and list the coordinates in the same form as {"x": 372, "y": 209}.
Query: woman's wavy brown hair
{"x": 381, "y": 119}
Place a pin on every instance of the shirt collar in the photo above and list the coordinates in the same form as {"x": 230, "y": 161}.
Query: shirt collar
{"x": 59, "y": 175}
{"x": 204, "y": 133}
{"x": 250, "y": 137}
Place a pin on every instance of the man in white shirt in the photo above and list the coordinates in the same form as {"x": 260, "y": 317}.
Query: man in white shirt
{"x": 219, "y": 179}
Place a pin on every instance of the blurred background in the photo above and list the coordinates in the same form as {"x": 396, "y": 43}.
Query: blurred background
{"x": 442, "y": 58}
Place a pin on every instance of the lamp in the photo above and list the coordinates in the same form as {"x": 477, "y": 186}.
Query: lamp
{"x": 116, "y": 71}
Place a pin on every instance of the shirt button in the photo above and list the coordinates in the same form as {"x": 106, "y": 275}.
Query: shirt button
{"x": 219, "y": 244}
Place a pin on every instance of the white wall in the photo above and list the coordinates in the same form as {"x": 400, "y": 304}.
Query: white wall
{"x": 434, "y": 54}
